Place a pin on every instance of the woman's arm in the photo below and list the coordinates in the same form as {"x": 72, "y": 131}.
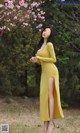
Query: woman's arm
{"x": 52, "y": 57}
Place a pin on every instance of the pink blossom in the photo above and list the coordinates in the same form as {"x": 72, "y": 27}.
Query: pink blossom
{"x": 42, "y": 17}
{"x": 15, "y": 17}
{"x": 26, "y": 24}
{"x": 10, "y": 4}
{"x": 33, "y": 13}
{"x": 8, "y": 13}
{"x": 18, "y": 7}
{"x": 39, "y": 15}
{"x": 23, "y": 16}
{"x": 42, "y": 12}
{"x": 21, "y": 2}
{"x": 8, "y": 29}
{"x": 12, "y": 24}
{"x": 35, "y": 4}
{"x": 40, "y": 30}
{"x": 38, "y": 9}
{"x": 2, "y": 28}
{"x": 35, "y": 16}
{"x": 1, "y": 5}
{"x": 27, "y": 16}
{"x": 39, "y": 26}
{"x": 35, "y": 19}
{"x": 25, "y": 5}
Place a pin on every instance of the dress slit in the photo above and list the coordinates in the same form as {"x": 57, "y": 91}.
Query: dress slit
{"x": 53, "y": 95}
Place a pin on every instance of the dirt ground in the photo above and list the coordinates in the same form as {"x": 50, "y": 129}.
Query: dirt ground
{"x": 22, "y": 115}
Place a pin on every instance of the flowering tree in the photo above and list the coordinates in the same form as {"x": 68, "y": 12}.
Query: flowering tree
{"x": 20, "y": 13}
{"x": 18, "y": 18}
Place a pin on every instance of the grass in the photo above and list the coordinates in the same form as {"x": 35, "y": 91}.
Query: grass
{"x": 22, "y": 115}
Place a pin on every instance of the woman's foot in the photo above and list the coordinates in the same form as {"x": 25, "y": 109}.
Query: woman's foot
{"x": 50, "y": 127}
{"x": 46, "y": 126}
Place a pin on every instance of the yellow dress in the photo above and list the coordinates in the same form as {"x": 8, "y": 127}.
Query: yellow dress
{"x": 46, "y": 58}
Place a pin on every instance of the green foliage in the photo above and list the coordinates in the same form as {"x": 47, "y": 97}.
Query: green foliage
{"x": 5, "y": 85}
{"x": 64, "y": 105}
{"x": 65, "y": 19}
{"x": 16, "y": 48}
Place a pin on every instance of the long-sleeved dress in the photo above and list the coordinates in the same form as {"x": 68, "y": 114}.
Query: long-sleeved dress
{"x": 46, "y": 58}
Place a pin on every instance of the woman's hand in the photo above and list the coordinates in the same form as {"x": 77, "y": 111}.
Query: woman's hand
{"x": 33, "y": 58}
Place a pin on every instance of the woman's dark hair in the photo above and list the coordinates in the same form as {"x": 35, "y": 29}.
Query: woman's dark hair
{"x": 51, "y": 38}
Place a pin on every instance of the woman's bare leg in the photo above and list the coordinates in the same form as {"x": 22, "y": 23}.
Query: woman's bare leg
{"x": 51, "y": 105}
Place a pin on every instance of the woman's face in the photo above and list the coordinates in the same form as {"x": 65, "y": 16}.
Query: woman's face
{"x": 46, "y": 33}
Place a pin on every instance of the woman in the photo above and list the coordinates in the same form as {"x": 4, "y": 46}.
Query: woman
{"x": 50, "y": 105}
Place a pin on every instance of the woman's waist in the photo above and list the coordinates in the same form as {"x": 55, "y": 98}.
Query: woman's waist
{"x": 48, "y": 65}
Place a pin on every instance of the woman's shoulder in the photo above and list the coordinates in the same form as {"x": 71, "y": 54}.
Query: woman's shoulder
{"x": 50, "y": 44}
